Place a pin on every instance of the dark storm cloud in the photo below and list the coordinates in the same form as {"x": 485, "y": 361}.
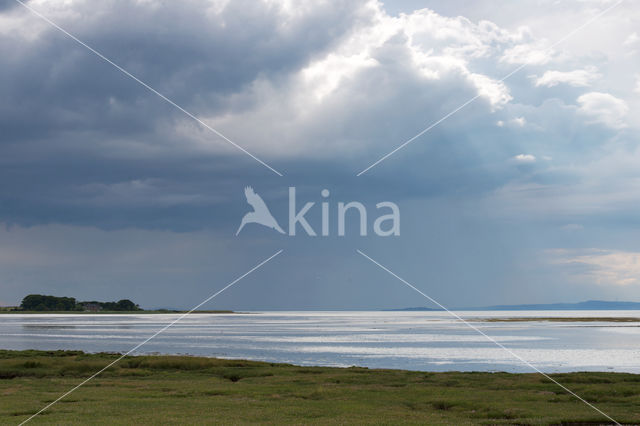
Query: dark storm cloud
{"x": 8, "y": 4}
{"x": 84, "y": 144}
{"x": 55, "y": 83}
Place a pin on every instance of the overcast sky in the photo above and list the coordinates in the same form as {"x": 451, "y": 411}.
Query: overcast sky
{"x": 530, "y": 194}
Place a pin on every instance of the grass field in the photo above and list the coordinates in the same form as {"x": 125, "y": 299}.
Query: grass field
{"x": 190, "y": 390}
{"x": 563, "y": 319}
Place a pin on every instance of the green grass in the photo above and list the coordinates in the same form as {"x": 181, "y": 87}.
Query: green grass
{"x": 191, "y": 390}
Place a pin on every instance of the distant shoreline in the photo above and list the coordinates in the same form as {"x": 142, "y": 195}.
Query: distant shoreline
{"x": 589, "y": 305}
{"x": 559, "y": 319}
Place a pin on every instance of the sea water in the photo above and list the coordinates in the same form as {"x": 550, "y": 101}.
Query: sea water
{"x": 427, "y": 341}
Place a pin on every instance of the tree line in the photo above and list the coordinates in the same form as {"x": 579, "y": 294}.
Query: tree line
{"x": 40, "y": 302}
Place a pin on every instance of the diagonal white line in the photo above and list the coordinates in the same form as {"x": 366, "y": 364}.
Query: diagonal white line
{"x": 488, "y": 337}
{"x": 155, "y": 334}
{"x": 145, "y": 85}
{"x": 434, "y": 124}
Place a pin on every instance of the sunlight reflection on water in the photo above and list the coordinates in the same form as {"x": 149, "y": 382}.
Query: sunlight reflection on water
{"x": 429, "y": 341}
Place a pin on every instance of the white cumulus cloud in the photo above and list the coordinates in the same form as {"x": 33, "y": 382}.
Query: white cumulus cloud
{"x": 576, "y": 78}
{"x": 524, "y": 158}
{"x": 603, "y": 108}
{"x": 529, "y": 54}
{"x": 632, "y": 40}
{"x": 604, "y": 267}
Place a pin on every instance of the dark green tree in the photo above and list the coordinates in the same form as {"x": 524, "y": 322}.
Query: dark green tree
{"x": 39, "y": 302}
{"x": 127, "y": 305}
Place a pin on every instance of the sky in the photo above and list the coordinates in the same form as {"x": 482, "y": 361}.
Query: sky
{"x": 530, "y": 193}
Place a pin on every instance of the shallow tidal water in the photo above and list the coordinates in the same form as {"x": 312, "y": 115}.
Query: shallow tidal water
{"x": 427, "y": 341}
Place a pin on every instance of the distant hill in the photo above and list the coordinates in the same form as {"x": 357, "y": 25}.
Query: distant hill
{"x": 589, "y": 305}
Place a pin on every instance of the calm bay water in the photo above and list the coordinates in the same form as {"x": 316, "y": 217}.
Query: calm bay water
{"x": 428, "y": 341}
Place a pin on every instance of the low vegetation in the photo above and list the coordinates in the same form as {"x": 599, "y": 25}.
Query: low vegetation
{"x": 39, "y": 304}
{"x": 191, "y": 390}
{"x": 564, "y": 319}
{"x": 145, "y": 312}
{"x": 44, "y": 303}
